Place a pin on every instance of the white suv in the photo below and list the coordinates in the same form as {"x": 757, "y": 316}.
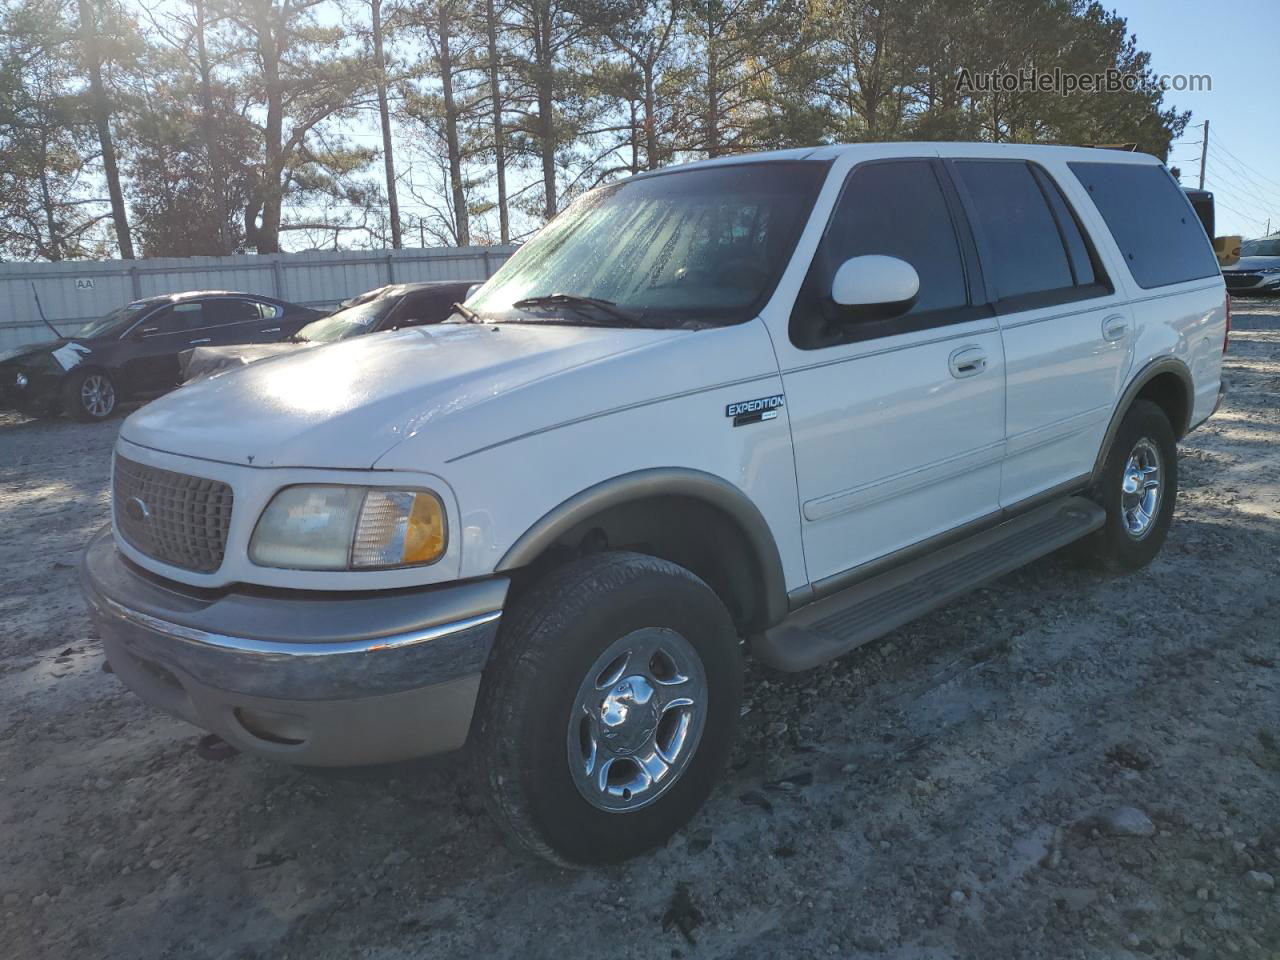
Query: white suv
{"x": 793, "y": 399}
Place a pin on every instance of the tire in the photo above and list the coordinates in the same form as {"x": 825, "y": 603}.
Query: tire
{"x": 88, "y": 395}
{"x": 1135, "y": 528}
{"x": 533, "y": 722}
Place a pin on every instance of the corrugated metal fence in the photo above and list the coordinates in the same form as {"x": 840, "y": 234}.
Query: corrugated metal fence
{"x": 75, "y": 292}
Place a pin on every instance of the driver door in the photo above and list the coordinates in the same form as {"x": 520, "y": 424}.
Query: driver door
{"x": 152, "y": 363}
{"x": 897, "y": 424}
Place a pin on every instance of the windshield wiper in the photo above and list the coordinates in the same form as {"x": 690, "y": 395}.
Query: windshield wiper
{"x": 582, "y": 305}
{"x": 468, "y": 314}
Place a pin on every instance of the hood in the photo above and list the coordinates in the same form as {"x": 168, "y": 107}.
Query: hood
{"x": 343, "y": 405}
{"x": 1249, "y": 264}
{"x": 206, "y": 361}
{"x": 66, "y": 353}
{"x": 23, "y": 350}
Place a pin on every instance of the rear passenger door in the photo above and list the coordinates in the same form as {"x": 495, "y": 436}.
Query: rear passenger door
{"x": 897, "y": 424}
{"x": 1067, "y": 331}
{"x": 229, "y": 320}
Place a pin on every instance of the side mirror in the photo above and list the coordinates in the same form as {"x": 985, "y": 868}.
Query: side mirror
{"x": 471, "y": 291}
{"x": 875, "y": 287}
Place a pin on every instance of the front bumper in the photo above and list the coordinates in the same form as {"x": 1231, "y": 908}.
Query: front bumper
{"x": 323, "y": 679}
{"x": 1251, "y": 282}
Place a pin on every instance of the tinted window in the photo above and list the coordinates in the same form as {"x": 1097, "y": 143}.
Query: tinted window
{"x": 427, "y": 306}
{"x": 222, "y": 312}
{"x": 1083, "y": 267}
{"x": 270, "y": 311}
{"x": 1023, "y": 251}
{"x": 1154, "y": 226}
{"x": 178, "y": 318}
{"x": 897, "y": 209}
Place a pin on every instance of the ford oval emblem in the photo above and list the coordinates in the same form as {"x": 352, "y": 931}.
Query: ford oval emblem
{"x": 137, "y": 509}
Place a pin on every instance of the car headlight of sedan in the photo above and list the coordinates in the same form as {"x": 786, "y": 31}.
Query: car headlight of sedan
{"x": 333, "y": 527}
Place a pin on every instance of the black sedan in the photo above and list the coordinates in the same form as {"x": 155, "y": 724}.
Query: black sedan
{"x": 133, "y": 352}
{"x": 383, "y": 308}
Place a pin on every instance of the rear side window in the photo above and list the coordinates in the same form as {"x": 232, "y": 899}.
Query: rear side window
{"x": 222, "y": 312}
{"x": 1023, "y": 251}
{"x": 1084, "y": 265}
{"x": 1151, "y": 220}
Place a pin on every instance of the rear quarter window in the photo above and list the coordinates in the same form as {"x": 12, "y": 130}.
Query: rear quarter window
{"x": 1152, "y": 222}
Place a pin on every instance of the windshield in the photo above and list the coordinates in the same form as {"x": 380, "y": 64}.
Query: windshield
{"x": 705, "y": 245}
{"x": 350, "y": 322}
{"x": 1261, "y": 248}
{"x": 121, "y": 317}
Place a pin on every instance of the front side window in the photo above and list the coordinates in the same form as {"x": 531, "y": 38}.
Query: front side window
{"x": 178, "y": 318}
{"x": 894, "y": 208}
{"x": 1152, "y": 222}
{"x": 425, "y": 306}
{"x": 704, "y": 245}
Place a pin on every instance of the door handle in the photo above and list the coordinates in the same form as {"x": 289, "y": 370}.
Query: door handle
{"x": 968, "y": 362}
{"x": 204, "y": 340}
{"x": 271, "y": 330}
{"x": 1114, "y": 328}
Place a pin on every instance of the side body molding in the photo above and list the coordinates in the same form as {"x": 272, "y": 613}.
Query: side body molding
{"x": 661, "y": 482}
{"x": 1144, "y": 376}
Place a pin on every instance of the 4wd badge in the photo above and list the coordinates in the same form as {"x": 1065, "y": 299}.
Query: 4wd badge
{"x": 753, "y": 411}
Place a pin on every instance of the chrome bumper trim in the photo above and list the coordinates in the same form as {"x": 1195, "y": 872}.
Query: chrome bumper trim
{"x": 274, "y": 648}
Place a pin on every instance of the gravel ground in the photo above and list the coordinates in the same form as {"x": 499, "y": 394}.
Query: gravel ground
{"x": 1058, "y": 766}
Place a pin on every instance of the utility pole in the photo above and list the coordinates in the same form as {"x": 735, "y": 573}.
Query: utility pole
{"x": 1204, "y": 152}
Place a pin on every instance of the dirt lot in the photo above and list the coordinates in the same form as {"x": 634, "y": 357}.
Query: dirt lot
{"x": 1058, "y": 766}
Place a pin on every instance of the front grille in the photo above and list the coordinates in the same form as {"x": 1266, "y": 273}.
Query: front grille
{"x": 1237, "y": 280}
{"x": 174, "y": 517}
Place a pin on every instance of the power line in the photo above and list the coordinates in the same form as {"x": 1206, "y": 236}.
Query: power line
{"x": 1272, "y": 194}
{"x": 1260, "y": 175}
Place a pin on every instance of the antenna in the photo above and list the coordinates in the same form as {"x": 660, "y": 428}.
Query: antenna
{"x": 56, "y": 333}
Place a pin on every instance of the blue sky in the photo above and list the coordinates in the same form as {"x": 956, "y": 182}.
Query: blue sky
{"x": 1235, "y": 44}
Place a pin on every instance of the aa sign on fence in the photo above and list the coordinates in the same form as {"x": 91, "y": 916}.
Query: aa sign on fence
{"x": 84, "y": 283}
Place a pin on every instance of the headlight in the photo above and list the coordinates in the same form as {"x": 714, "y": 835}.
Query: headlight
{"x": 334, "y": 527}
{"x": 20, "y": 380}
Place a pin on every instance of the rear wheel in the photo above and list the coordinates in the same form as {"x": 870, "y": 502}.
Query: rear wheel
{"x": 89, "y": 395}
{"x": 609, "y": 709}
{"x": 1138, "y": 488}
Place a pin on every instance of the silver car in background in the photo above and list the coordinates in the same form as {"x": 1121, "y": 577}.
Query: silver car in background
{"x": 1257, "y": 270}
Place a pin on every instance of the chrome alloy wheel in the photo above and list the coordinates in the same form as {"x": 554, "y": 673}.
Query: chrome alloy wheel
{"x": 97, "y": 395}
{"x": 1140, "y": 489}
{"x": 636, "y": 719}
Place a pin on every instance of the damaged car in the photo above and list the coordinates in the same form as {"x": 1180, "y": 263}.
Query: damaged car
{"x": 382, "y": 308}
{"x": 132, "y": 352}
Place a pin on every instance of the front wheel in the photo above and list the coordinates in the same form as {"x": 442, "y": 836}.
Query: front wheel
{"x": 1137, "y": 488}
{"x": 609, "y": 708}
{"x": 89, "y": 395}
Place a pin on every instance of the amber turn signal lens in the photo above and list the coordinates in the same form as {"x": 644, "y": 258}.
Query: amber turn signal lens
{"x": 424, "y": 538}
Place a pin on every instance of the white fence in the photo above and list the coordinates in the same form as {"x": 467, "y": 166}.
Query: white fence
{"x": 75, "y": 292}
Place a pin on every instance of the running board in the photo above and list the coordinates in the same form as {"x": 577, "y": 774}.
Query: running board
{"x": 837, "y": 624}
